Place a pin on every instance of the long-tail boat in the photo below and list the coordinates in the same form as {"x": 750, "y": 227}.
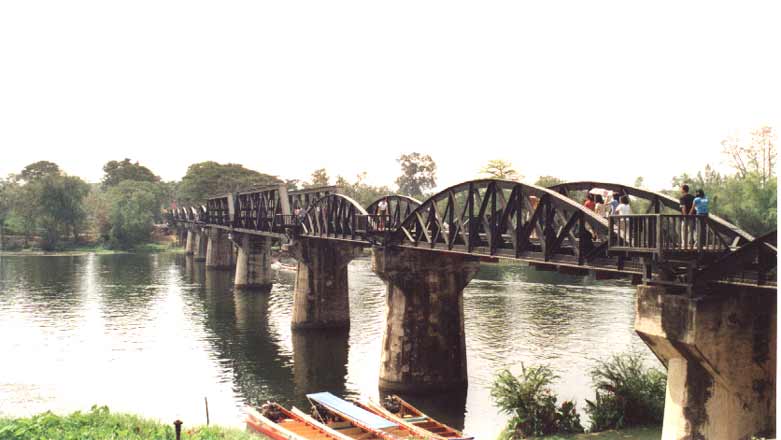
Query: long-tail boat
{"x": 359, "y": 423}
{"x": 276, "y": 422}
{"x": 398, "y": 410}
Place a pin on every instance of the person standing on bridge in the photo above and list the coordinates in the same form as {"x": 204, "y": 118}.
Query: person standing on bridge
{"x": 599, "y": 205}
{"x": 700, "y": 208}
{"x": 623, "y": 208}
{"x": 687, "y": 224}
{"x": 590, "y": 203}
{"x": 382, "y": 211}
{"x": 614, "y": 203}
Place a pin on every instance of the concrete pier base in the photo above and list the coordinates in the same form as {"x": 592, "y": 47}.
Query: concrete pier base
{"x": 320, "y": 298}
{"x": 189, "y": 243}
{"x": 219, "y": 250}
{"x": 199, "y": 243}
{"x": 720, "y": 354}
{"x": 253, "y": 263}
{"x": 423, "y": 348}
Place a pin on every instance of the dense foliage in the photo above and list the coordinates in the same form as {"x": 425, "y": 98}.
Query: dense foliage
{"x": 627, "y": 393}
{"x": 48, "y": 207}
{"x": 118, "y": 171}
{"x": 547, "y": 181}
{"x": 418, "y": 174}
{"x": 206, "y": 179}
{"x": 531, "y": 404}
{"x": 100, "y": 424}
{"x": 132, "y": 207}
{"x": 360, "y": 191}
{"x": 749, "y": 196}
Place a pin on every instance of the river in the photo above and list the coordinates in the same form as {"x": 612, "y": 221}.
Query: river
{"x": 156, "y": 333}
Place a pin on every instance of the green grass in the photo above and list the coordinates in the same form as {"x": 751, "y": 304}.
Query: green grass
{"x": 645, "y": 433}
{"x": 101, "y": 424}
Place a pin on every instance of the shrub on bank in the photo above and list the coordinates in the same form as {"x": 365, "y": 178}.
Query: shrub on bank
{"x": 627, "y": 393}
{"x": 100, "y": 424}
{"x": 531, "y": 404}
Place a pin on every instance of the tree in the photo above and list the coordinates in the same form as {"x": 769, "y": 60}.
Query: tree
{"x": 747, "y": 198}
{"x": 418, "y": 174}
{"x": 116, "y": 171}
{"x": 57, "y": 203}
{"x": 206, "y": 179}
{"x": 548, "y": 181}
{"x": 757, "y": 157}
{"x": 319, "y": 178}
{"x": 500, "y": 169}
{"x": 7, "y": 189}
{"x": 360, "y": 191}
{"x": 38, "y": 170}
{"x": 131, "y": 212}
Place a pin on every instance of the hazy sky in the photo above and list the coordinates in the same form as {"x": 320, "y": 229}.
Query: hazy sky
{"x": 581, "y": 90}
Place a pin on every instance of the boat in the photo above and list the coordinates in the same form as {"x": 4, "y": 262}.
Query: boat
{"x": 398, "y": 410}
{"x": 356, "y": 422}
{"x": 276, "y": 422}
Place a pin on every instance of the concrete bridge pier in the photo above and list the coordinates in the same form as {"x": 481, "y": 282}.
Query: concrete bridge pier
{"x": 320, "y": 298}
{"x": 253, "y": 263}
{"x": 189, "y": 243}
{"x": 219, "y": 250}
{"x": 423, "y": 348}
{"x": 199, "y": 244}
{"x": 720, "y": 352}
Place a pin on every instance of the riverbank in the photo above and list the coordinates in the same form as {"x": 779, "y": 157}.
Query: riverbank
{"x": 100, "y": 423}
{"x": 97, "y": 249}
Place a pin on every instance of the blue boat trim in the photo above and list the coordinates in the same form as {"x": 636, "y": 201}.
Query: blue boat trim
{"x": 364, "y": 417}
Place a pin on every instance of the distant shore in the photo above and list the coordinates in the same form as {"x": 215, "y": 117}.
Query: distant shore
{"x": 86, "y": 249}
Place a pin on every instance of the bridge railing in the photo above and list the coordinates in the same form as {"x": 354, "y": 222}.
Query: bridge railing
{"x": 374, "y": 223}
{"x": 665, "y": 233}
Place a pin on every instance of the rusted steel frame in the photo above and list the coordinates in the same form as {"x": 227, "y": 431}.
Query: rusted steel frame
{"x": 761, "y": 250}
{"x": 532, "y": 224}
{"x": 574, "y": 219}
{"x": 332, "y": 215}
{"x": 472, "y": 233}
{"x": 548, "y": 230}
{"x": 487, "y": 215}
{"x": 397, "y": 205}
{"x": 506, "y": 221}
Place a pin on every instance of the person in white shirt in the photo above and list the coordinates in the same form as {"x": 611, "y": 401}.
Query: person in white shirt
{"x": 623, "y": 208}
{"x": 382, "y": 211}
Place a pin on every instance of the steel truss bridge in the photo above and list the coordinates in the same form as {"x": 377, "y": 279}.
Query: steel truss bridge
{"x": 548, "y": 228}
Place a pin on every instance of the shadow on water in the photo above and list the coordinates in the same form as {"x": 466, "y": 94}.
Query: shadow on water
{"x": 320, "y": 361}
{"x": 246, "y": 338}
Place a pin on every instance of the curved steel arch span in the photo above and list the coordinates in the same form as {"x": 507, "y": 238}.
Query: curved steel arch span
{"x": 502, "y": 218}
{"x": 399, "y": 207}
{"x": 333, "y": 216}
{"x": 737, "y": 236}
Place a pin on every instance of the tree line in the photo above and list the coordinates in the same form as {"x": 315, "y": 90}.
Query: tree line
{"x": 120, "y": 211}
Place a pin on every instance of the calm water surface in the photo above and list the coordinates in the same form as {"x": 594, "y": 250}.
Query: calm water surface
{"x": 155, "y": 334}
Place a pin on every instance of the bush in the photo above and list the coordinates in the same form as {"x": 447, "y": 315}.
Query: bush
{"x": 627, "y": 393}
{"x": 532, "y": 405}
{"x": 99, "y": 424}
